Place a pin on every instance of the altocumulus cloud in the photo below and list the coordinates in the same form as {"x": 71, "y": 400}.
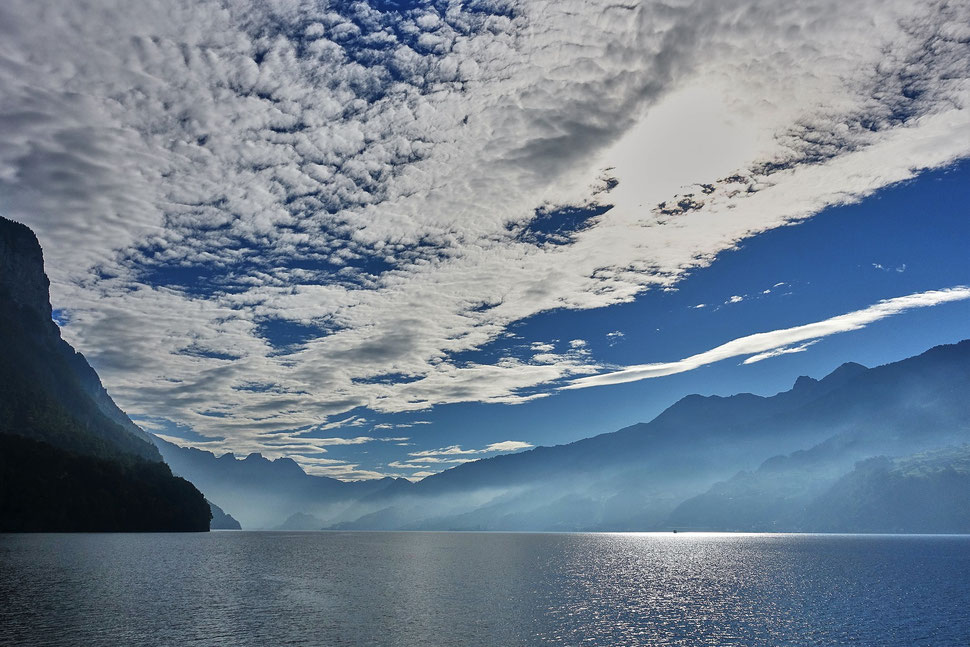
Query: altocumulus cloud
{"x": 203, "y": 173}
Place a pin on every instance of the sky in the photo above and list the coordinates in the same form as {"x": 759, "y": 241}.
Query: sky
{"x": 384, "y": 238}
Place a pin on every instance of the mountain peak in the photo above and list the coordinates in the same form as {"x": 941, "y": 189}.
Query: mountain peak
{"x": 22, "y": 278}
{"x": 804, "y": 382}
{"x": 844, "y": 373}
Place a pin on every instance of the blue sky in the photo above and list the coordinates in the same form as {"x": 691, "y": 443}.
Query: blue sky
{"x": 383, "y": 238}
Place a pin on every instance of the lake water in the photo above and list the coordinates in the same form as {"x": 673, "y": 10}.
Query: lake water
{"x": 490, "y": 589}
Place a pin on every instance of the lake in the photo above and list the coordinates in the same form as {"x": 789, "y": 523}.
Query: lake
{"x": 495, "y": 589}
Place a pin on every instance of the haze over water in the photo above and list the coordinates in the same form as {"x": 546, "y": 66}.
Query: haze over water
{"x": 492, "y": 589}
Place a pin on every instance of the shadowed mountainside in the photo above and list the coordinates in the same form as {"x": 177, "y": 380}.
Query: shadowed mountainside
{"x": 71, "y": 460}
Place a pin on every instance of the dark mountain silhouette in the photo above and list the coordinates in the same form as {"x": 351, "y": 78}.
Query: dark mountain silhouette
{"x": 71, "y": 459}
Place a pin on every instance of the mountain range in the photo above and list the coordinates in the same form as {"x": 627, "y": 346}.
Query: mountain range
{"x": 744, "y": 462}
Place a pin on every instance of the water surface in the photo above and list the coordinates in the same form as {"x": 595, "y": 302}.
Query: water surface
{"x": 488, "y": 589}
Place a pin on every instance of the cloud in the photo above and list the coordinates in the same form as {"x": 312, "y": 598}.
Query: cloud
{"x": 777, "y": 342}
{"x": 899, "y": 269}
{"x": 446, "y": 457}
{"x": 343, "y": 470}
{"x": 445, "y": 451}
{"x": 507, "y": 446}
{"x": 456, "y": 450}
{"x": 359, "y": 440}
{"x": 784, "y": 350}
{"x": 282, "y": 213}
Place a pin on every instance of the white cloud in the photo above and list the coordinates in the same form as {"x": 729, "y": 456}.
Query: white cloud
{"x": 899, "y": 269}
{"x": 507, "y": 446}
{"x": 373, "y": 176}
{"x": 776, "y": 342}
{"x": 446, "y": 457}
{"x": 456, "y": 450}
{"x": 445, "y": 451}
{"x": 359, "y": 440}
{"x": 784, "y": 350}
{"x": 343, "y": 470}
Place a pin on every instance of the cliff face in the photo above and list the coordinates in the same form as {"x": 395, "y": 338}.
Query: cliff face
{"x": 56, "y": 415}
{"x": 22, "y": 276}
{"x": 38, "y": 366}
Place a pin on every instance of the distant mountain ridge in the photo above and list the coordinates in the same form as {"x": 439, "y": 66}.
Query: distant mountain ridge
{"x": 264, "y": 493}
{"x": 689, "y": 416}
{"x": 742, "y": 462}
{"x": 639, "y": 477}
{"x": 70, "y": 459}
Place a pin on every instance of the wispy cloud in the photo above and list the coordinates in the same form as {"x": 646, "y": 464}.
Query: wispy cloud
{"x": 784, "y": 350}
{"x": 898, "y": 269}
{"x": 453, "y": 450}
{"x": 778, "y": 342}
{"x": 425, "y": 461}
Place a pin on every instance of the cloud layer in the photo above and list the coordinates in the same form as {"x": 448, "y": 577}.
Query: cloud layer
{"x": 258, "y": 218}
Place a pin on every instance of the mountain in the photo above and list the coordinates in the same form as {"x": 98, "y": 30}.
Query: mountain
{"x": 704, "y": 461}
{"x": 300, "y": 521}
{"x": 221, "y": 520}
{"x": 927, "y": 492}
{"x": 914, "y": 405}
{"x": 71, "y": 460}
{"x": 264, "y": 493}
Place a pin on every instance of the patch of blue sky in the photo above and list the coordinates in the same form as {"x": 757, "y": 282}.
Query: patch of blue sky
{"x": 557, "y": 226}
{"x": 60, "y": 317}
{"x": 285, "y": 335}
{"x": 387, "y": 378}
{"x": 257, "y": 268}
{"x": 198, "y": 351}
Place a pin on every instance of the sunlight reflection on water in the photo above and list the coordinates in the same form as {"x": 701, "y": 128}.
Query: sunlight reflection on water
{"x": 490, "y": 589}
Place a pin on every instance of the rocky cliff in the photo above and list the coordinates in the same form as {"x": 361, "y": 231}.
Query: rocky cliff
{"x": 71, "y": 459}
